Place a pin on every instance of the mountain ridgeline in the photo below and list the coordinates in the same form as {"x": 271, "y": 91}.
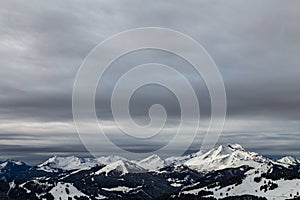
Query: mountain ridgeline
{"x": 224, "y": 172}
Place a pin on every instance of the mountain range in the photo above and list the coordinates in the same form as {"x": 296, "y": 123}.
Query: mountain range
{"x": 224, "y": 172}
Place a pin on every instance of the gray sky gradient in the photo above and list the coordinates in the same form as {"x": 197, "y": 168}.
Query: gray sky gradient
{"x": 255, "y": 44}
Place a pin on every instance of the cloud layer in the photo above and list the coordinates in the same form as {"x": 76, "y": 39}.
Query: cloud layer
{"x": 42, "y": 44}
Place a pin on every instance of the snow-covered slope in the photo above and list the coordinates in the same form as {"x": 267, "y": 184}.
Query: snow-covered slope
{"x": 285, "y": 189}
{"x": 228, "y": 156}
{"x": 122, "y": 167}
{"x": 66, "y": 191}
{"x": 255, "y": 182}
{"x": 153, "y": 162}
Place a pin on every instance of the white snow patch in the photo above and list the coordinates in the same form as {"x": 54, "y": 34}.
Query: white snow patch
{"x": 176, "y": 184}
{"x": 23, "y": 186}
{"x": 123, "y": 189}
{"x": 100, "y": 197}
{"x": 60, "y": 191}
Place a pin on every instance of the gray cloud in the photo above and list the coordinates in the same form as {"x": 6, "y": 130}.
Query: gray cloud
{"x": 254, "y": 43}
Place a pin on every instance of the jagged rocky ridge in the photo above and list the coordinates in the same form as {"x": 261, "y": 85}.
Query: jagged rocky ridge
{"x": 224, "y": 172}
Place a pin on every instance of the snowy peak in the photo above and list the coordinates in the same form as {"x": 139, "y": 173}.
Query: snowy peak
{"x": 233, "y": 150}
{"x": 56, "y": 163}
{"x": 10, "y": 168}
{"x": 289, "y": 160}
{"x": 152, "y": 162}
{"x": 66, "y": 163}
{"x": 236, "y": 147}
{"x": 225, "y": 150}
{"x": 121, "y": 167}
{"x": 228, "y": 156}
{"x": 11, "y": 163}
{"x": 105, "y": 160}
{"x": 208, "y": 156}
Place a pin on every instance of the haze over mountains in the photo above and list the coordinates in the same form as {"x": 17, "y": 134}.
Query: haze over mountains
{"x": 227, "y": 171}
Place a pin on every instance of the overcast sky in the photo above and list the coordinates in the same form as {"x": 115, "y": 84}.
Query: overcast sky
{"x": 255, "y": 44}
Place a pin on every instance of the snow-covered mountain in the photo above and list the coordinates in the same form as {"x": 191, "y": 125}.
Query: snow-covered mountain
{"x": 66, "y": 163}
{"x": 8, "y": 163}
{"x": 56, "y": 163}
{"x": 288, "y": 160}
{"x": 227, "y": 171}
{"x": 105, "y": 160}
{"x": 9, "y": 168}
{"x": 228, "y": 156}
{"x": 121, "y": 167}
{"x": 153, "y": 162}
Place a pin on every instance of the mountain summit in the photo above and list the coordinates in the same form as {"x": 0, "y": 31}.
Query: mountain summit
{"x": 222, "y": 157}
{"x": 152, "y": 162}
